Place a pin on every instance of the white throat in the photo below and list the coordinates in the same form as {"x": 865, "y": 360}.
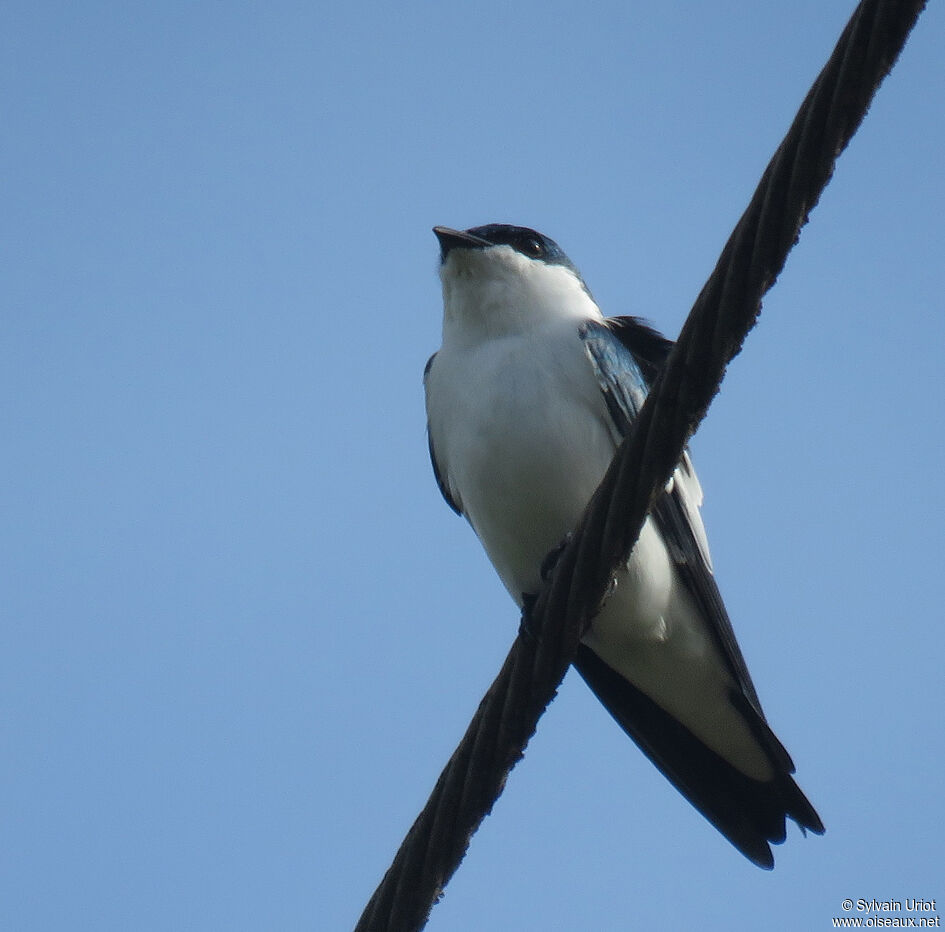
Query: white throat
{"x": 495, "y": 292}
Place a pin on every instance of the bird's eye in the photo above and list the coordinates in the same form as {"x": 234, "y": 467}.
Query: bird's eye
{"x": 532, "y": 247}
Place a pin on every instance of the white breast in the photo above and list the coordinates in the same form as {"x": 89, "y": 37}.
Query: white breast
{"x": 522, "y": 439}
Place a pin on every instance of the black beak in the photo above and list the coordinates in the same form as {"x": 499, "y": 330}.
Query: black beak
{"x": 457, "y": 239}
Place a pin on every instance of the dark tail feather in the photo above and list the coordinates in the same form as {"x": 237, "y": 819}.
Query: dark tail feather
{"x": 750, "y": 813}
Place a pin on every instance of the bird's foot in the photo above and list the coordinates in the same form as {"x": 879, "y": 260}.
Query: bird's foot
{"x": 551, "y": 560}
{"x": 526, "y": 627}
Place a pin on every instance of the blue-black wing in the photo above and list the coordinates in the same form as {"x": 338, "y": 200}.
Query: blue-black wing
{"x": 440, "y": 482}
{"x": 627, "y": 356}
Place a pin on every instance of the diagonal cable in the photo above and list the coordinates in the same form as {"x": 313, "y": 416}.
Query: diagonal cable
{"x": 724, "y": 312}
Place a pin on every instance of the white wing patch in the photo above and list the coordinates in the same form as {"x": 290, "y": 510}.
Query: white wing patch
{"x": 686, "y": 482}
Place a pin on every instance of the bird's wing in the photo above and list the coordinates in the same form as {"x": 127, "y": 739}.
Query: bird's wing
{"x": 441, "y": 484}
{"x": 627, "y": 356}
{"x": 622, "y": 351}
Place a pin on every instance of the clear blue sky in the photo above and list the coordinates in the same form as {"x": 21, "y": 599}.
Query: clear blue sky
{"x": 241, "y": 632}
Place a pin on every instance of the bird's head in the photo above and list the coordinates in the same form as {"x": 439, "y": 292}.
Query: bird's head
{"x": 502, "y": 278}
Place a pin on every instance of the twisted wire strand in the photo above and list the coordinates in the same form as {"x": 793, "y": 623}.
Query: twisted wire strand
{"x": 725, "y": 310}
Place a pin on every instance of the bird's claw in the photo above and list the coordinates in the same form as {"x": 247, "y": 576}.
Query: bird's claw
{"x": 551, "y": 560}
{"x": 526, "y": 627}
